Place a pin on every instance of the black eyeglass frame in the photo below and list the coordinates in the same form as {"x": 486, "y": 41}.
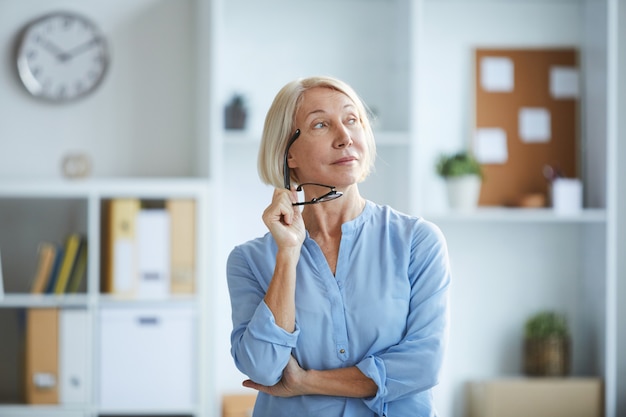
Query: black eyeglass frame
{"x": 331, "y": 195}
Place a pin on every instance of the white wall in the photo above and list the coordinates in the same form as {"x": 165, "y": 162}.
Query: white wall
{"x": 141, "y": 119}
{"x": 271, "y": 42}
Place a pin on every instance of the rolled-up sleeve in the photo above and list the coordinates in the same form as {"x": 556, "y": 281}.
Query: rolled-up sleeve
{"x": 413, "y": 365}
{"x": 260, "y": 348}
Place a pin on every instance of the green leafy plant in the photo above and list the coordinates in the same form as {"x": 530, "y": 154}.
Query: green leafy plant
{"x": 546, "y": 324}
{"x": 458, "y": 164}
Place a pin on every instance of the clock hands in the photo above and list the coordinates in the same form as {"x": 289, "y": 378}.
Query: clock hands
{"x": 80, "y": 49}
{"x": 64, "y": 56}
{"x": 52, "y": 48}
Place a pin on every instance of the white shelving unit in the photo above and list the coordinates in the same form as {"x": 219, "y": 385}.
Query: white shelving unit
{"x": 82, "y": 200}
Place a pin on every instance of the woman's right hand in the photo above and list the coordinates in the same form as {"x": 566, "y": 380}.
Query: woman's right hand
{"x": 284, "y": 220}
{"x": 287, "y": 227}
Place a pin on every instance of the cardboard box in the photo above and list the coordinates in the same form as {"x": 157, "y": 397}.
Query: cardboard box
{"x": 537, "y": 397}
{"x": 238, "y": 405}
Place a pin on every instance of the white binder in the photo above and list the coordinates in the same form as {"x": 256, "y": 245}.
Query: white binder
{"x": 73, "y": 355}
{"x": 153, "y": 253}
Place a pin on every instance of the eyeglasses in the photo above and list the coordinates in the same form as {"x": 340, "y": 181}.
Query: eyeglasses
{"x": 330, "y": 195}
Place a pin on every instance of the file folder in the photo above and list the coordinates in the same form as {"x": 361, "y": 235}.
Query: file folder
{"x": 73, "y": 356}
{"x": 42, "y": 356}
{"x": 153, "y": 253}
{"x": 119, "y": 260}
{"x": 183, "y": 245}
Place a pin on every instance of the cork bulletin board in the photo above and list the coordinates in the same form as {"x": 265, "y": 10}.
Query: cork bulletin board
{"x": 526, "y": 118}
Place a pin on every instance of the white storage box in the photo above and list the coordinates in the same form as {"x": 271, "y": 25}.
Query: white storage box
{"x": 146, "y": 358}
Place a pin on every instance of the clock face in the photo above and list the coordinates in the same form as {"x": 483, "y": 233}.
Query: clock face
{"x": 61, "y": 57}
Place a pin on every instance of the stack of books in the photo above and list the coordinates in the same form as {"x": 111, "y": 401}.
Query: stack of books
{"x": 61, "y": 268}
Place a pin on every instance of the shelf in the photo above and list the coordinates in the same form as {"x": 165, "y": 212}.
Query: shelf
{"x": 173, "y": 300}
{"x": 82, "y": 300}
{"x": 240, "y": 137}
{"x": 144, "y": 188}
{"x": 28, "y": 410}
{"x": 149, "y": 412}
{"x": 518, "y": 215}
{"x": 43, "y": 300}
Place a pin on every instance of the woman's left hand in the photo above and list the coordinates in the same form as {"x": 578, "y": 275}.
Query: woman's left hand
{"x": 290, "y": 385}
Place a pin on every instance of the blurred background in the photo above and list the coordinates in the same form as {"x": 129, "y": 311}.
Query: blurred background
{"x": 158, "y": 117}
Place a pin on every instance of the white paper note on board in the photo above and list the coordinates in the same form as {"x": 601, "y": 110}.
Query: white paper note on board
{"x": 497, "y": 74}
{"x": 490, "y": 145}
{"x": 534, "y": 125}
{"x": 564, "y": 82}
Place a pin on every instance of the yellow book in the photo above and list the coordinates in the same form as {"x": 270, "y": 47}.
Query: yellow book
{"x": 72, "y": 245}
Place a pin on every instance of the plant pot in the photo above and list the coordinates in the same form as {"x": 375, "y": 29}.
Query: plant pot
{"x": 463, "y": 191}
{"x": 235, "y": 115}
{"x": 547, "y": 357}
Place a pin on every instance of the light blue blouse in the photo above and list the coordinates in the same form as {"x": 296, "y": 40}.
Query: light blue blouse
{"x": 385, "y": 310}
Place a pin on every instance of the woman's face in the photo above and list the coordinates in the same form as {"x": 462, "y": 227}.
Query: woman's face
{"x": 331, "y": 145}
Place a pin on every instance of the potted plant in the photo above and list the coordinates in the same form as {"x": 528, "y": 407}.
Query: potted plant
{"x": 463, "y": 175}
{"x": 546, "y": 345}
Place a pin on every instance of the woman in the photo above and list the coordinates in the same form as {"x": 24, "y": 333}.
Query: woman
{"x": 341, "y": 309}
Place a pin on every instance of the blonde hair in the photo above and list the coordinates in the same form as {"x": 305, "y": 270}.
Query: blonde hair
{"x": 280, "y": 125}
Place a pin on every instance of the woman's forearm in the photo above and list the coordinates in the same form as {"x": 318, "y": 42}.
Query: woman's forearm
{"x": 342, "y": 382}
{"x": 281, "y": 293}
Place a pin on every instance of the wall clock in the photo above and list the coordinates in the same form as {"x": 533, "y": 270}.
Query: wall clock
{"x": 61, "y": 56}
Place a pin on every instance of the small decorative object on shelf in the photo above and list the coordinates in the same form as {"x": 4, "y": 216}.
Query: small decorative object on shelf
{"x": 546, "y": 345}
{"x": 566, "y": 194}
{"x": 464, "y": 176}
{"x": 76, "y": 165}
{"x": 531, "y": 200}
{"x": 235, "y": 113}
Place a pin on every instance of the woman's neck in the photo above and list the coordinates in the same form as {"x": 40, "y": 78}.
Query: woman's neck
{"x": 325, "y": 219}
